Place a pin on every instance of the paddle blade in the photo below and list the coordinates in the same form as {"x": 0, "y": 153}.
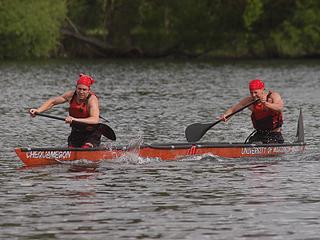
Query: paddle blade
{"x": 195, "y": 132}
{"x": 107, "y": 131}
{"x": 104, "y": 129}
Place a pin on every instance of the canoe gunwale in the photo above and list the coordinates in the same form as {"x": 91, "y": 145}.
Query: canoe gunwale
{"x": 221, "y": 145}
{"x": 167, "y": 146}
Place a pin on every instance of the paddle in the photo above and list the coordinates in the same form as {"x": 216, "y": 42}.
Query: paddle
{"x": 104, "y": 129}
{"x": 195, "y": 132}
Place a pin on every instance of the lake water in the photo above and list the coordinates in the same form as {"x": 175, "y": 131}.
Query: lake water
{"x": 133, "y": 198}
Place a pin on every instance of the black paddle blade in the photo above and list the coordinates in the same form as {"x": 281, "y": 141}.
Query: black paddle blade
{"x": 194, "y": 132}
{"x": 104, "y": 129}
{"x": 107, "y": 131}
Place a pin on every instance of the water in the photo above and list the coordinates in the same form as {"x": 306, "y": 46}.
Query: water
{"x": 134, "y": 198}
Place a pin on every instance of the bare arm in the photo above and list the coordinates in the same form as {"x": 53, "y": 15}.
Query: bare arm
{"x": 236, "y": 107}
{"x": 276, "y": 104}
{"x": 52, "y": 102}
{"x": 94, "y": 113}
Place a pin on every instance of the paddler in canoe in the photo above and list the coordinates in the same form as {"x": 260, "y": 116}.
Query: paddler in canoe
{"x": 83, "y": 108}
{"x": 266, "y": 114}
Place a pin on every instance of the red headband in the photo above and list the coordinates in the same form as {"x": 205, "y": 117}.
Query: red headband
{"x": 85, "y": 80}
{"x": 256, "y": 84}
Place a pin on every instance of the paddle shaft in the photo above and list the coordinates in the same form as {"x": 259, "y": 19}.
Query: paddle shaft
{"x": 50, "y": 116}
{"x": 239, "y": 110}
{"x": 105, "y": 129}
{"x": 60, "y": 118}
{"x": 103, "y": 119}
{"x": 63, "y": 119}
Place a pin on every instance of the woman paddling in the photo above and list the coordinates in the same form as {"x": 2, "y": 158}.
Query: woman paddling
{"x": 83, "y": 108}
{"x": 266, "y": 114}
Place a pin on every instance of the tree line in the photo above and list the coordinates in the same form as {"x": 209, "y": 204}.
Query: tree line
{"x": 159, "y": 28}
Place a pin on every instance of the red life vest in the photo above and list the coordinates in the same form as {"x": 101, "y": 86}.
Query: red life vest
{"x": 79, "y": 110}
{"x": 264, "y": 119}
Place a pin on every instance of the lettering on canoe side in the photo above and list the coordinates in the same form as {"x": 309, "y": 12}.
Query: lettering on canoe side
{"x": 269, "y": 150}
{"x": 49, "y": 154}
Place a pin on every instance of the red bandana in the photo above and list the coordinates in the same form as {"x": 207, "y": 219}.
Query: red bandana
{"x": 256, "y": 84}
{"x": 85, "y": 80}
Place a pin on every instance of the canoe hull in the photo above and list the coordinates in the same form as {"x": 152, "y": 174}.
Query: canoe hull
{"x": 165, "y": 152}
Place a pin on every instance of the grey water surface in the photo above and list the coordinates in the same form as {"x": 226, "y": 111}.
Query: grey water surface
{"x": 153, "y": 101}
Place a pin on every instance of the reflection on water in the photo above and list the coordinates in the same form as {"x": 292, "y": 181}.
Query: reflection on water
{"x": 204, "y": 197}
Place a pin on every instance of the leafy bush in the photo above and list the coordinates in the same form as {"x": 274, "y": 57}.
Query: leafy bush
{"x": 30, "y": 28}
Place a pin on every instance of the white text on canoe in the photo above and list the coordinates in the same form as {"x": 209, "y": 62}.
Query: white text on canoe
{"x": 269, "y": 150}
{"x": 49, "y": 154}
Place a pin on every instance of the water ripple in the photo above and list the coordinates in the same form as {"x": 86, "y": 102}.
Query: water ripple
{"x": 203, "y": 197}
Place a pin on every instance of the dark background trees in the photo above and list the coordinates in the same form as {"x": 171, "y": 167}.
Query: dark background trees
{"x": 159, "y": 28}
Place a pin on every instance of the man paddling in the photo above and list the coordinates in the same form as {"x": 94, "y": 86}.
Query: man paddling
{"x": 83, "y": 108}
{"x": 266, "y": 114}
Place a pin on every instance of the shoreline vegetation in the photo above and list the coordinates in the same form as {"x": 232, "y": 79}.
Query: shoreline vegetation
{"x": 189, "y": 29}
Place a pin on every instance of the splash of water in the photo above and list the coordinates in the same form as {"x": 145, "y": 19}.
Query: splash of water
{"x": 131, "y": 156}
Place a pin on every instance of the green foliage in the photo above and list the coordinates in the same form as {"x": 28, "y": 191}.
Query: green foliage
{"x": 256, "y": 28}
{"x": 300, "y": 35}
{"x": 224, "y": 28}
{"x": 190, "y": 26}
{"x": 88, "y": 14}
{"x": 30, "y": 28}
{"x": 155, "y": 31}
{"x": 285, "y": 29}
{"x": 122, "y": 17}
{"x": 253, "y": 11}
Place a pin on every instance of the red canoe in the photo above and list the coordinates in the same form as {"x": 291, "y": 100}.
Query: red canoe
{"x": 174, "y": 151}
